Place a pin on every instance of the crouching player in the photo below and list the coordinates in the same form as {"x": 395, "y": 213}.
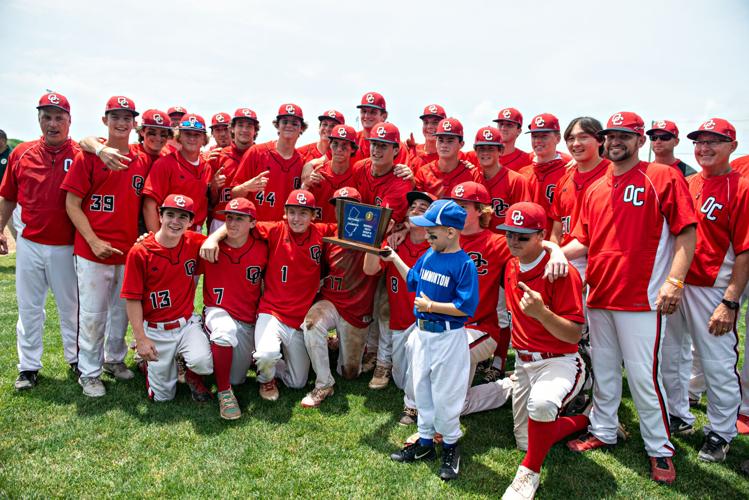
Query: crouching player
{"x": 446, "y": 285}
{"x": 546, "y": 321}
{"x": 159, "y": 286}
{"x": 231, "y": 292}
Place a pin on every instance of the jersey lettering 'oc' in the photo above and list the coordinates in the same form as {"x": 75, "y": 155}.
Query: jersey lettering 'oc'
{"x": 315, "y": 252}
{"x": 482, "y": 265}
{"x": 499, "y": 206}
{"x": 190, "y": 266}
{"x": 709, "y": 207}
{"x": 634, "y": 195}
{"x": 253, "y": 274}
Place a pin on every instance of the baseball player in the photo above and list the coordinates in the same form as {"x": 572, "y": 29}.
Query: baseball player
{"x": 707, "y": 314}
{"x": 321, "y": 148}
{"x": 44, "y": 247}
{"x": 175, "y": 116}
{"x": 159, "y": 286}
{"x": 220, "y": 130}
{"x": 280, "y": 159}
{"x": 637, "y": 225}
{"x": 664, "y": 137}
{"x": 231, "y": 292}
{"x": 510, "y": 123}
{"x": 244, "y": 130}
{"x": 391, "y": 352}
{"x": 421, "y": 154}
{"x": 104, "y": 207}
{"x": 372, "y": 112}
{"x": 440, "y": 176}
{"x": 548, "y": 165}
{"x": 547, "y": 323}
{"x": 184, "y": 171}
{"x": 345, "y": 303}
{"x": 446, "y": 285}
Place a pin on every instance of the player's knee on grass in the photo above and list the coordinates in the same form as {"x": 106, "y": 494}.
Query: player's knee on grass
{"x": 201, "y": 362}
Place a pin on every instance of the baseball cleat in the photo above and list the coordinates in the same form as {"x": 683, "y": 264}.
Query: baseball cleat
{"x": 450, "y": 462}
{"x": 524, "y": 485}
{"x": 369, "y": 362}
{"x": 119, "y": 371}
{"x": 693, "y": 402}
{"x": 316, "y": 397}
{"x": 26, "y": 380}
{"x": 662, "y": 470}
{"x": 413, "y": 452}
{"x": 74, "y": 368}
{"x": 408, "y": 416}
{"x": 587, "y": 442}
{"x": 92, "y": 387}
{"x": 199, "y": 391}
{"x": 227, "y": 405}
{"x": 268, "y": 390}
{"x": 381, "y": 377}
{"x": 714, "y": 449}
{"x": 742, "y": 424}
{"x": 679, "y": 427}
{"x": 492, "y": 374}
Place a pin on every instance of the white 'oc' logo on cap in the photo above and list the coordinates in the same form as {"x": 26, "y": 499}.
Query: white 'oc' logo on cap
{"x": 369, "y": 98}
{"x": 488, "y": 135}
{"x": 660, "y": 124}
{"x": 290, "y": 109}
{"x": 517, "y": 217}
{"x": 220, "y": 118}
{"x": 447, "y": 126}
{"x": 180, "y": 201}
{"x": 617, "y": 119}
{"x": 432, "y": 108}
{"x": 123, "y": 102}
{"x": 708, "y": 125}
{"x": 539, "y": 121}
{"x": 158, "y": 119}
{"x": 342, "y": 132}
{"x": 459, "y": 191}
{"x": 343, "y": 192}
{"x": 380, "y": 131}
{"x": 246, "y": 112}
{"x": 301, "y": 198}
{"x": 53, "y": 98}
{"x": 332, "y": 114}
{"x": 234, "y": 204}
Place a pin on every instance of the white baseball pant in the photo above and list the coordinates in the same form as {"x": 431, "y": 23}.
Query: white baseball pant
{"x": 39, "y": 268}
{"x": 744, "y": 410}
{"x": 240, "y": 336}
{"x": 188, "y": 341}
{"x": 270, "y": 336}
{"x": 542, "y": 388}
{"x": 399, "y": 354}
{"x": 380, "y": 316}
{"x": 102, "y": 316}
{"x": 324, "y": 316}
{"x": 441, "y": 363}
{"x": 633, "y": 338}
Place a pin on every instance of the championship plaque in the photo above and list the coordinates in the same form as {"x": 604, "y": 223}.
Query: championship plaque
{"x": 360, "y": 226}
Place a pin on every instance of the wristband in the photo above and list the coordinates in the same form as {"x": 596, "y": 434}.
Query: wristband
{"x": 99, "y": 149}
{"x": 429, "y": 307}
{"x": 733, "y": 306}
{"x": 677, "y": 283}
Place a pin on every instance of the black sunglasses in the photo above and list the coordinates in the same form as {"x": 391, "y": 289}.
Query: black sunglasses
{"x": 661, "y": 137}
{"x": 517, "y": 236}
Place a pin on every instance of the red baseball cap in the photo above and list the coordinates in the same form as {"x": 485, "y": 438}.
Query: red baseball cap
{"x": 470, "y": 191}
{"x": 624, "y": 121}
{"x": 334, "y": 115}
{"x": 545, "y": 122}
{"x": 433, "y": 110}
{"x": 488, "y": 136}
{"x": 372, "y": 100}
{"x": 220, "y": 120}
{"x": 290, "y": 109}
{"x": 664, "y": 126}
{"x": 155, "y": 118}
{"x": 412, "y": 196}
{"x": 717, "y": 126}
{"x": 346, "y": 193}
{"x": 344, "y": 133}
{"x": 120, "y": 102}
{"x": 54, "y": 100}
{"x": 179, "y": 202}
{"x": 450, "y": 126}
{"x": 245, "y": 113}
{"x": 524, "y": 217}
{"x": 385, "y": 132}
{"x": 239, "y": 206}
{"x": 300, "y": 198}
{"x": 174, "y": 110}
{"x": 510, "y": 115}
{"x": 192, "y": 122}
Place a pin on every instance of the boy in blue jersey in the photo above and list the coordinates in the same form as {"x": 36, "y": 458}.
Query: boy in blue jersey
{"x": 447, "y": 291}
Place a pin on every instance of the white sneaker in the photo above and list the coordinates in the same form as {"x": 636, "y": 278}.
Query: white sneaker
{"x": 524, "y": 485}
{"x": 92, "y": 387}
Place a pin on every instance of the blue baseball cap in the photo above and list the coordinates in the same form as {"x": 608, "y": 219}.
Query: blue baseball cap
{"x": 442, "y": 213}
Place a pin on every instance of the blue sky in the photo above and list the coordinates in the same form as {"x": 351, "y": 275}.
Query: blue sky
{"x": 682, "y": 60}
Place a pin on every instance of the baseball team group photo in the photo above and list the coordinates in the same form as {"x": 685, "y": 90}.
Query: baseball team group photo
{"x": 260, "y": 288}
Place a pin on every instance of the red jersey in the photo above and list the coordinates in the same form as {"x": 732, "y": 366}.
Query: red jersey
{"x": 516, "y": 160}
{"x": 228, "y": 159}
{"x": 150, "y": 159}
{"x": 233, "y": 281}
{"x": 163, "y": 279}
{"x": 386, "y": 190}
{"x": 490, "y": 254}
{"x": 569, "y": 192}
{"x": 741, "y": 165}
{"x": 400, "y": 299}
{"x": 32, "y": 179}
{"x": 346, "y": 286}
{"x": 284, "y": 177}
{"x": 292, "y": 277}
{"x": 431, "y": 179}
{"x": 542, "y": 182}
{"x": 111, "y": 201}
{"x": 722, "y": 205}
{"x": 628, "y": 222}
{"x": 173, "y": 174}
{"x": 309, "y": 152}
{"x": 563, "y": 297}
{"x": 324, "y": 191}
{"x": 505, "y": 188}
{"x": 363, "y": 152}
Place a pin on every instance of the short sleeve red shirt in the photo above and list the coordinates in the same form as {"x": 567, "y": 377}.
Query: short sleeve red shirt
{"x": 400, "y": 299}
{"x": 505, "y": 189}
{"x": 741, "y": 165}
{"x": 364, "y": 150}
{"x": 309, "y": 152}
{"x": 346, "y": 286}
{"x": 324, "y": 191}
{"x": 431, "y": 179}
{"x": 228, "y": 159}
{"x": 516, "y": 160}
{"x": 163, "y": 279}
{"x": 542, "y": 183}
{"x": 386, "y": 190}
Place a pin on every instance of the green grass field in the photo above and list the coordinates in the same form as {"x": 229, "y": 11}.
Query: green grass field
{"x": 55, "y": 442}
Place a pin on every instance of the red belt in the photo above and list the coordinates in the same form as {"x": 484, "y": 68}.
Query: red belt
{"x": 527, "y": 358}
{"x": 165, "y": 326}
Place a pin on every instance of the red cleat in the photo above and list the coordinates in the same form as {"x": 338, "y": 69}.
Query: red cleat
{"x": 587, "y": 442}
{"x": 662, "y": 470}
{"x": 742, "y": 424}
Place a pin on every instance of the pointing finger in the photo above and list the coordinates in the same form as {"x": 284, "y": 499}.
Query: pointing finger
{"x": 523, "y": 287}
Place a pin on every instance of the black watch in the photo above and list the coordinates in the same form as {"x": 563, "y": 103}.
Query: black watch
{"x": 733, "y": 306}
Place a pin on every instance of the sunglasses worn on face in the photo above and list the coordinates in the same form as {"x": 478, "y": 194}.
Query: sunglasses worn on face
{"x": 517, "y": 236}
{"x": 661, "y": 137}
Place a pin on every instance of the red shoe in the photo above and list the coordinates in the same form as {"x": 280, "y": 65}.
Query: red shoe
{"x": 200, "y": 392}
{"x": 587, "y": 442}
{"x": 742, "y": 424}
{"x": 662, "y": 470}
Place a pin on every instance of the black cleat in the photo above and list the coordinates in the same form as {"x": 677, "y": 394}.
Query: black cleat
{"x": 450, "y": 463}
{"x": 413, "y": 452}
{"x": 26, "y": 380}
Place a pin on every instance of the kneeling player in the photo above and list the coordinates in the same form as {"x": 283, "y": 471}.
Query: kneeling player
{"x": 231, "y": 292}
{"x": 546, "y": 323}
{"x": 159, "y": 286}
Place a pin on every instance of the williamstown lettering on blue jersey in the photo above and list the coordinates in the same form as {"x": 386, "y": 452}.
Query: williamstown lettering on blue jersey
{"x": 436, "y": 278}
